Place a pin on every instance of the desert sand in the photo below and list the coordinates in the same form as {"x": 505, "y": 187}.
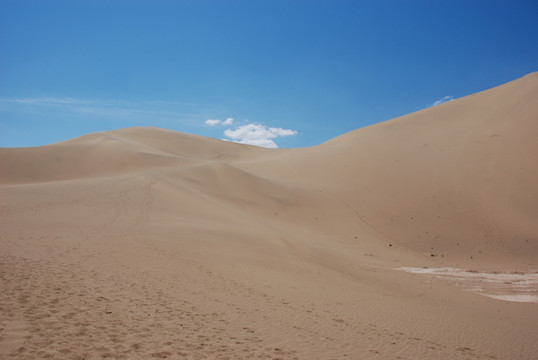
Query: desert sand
{"x": 415, "y": 238}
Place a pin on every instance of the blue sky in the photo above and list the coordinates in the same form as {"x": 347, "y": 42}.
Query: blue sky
{"x": 290, "y": 73}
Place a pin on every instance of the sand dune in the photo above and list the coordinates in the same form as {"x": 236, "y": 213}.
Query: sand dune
{"x": 455, "y": 180}
{"x": 143, "y": 242}
{"x": 113, "y": 152}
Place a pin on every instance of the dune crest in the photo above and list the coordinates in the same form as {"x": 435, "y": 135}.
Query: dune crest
{"x": 145, "y": 242}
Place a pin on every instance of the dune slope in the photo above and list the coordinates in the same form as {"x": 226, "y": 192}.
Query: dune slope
{"x": 143, "y": 242}
{"x": 456, "y": 180}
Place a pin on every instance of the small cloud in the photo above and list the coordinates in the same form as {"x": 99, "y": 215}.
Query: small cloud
{"x": 212, "y": 122}
{"x": 443, "y": 100}
{"x": 282, "y": 132}
{"x": 257, "y": 135}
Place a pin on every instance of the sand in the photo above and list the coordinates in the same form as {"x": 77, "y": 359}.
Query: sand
{"x": 416, "y": 238}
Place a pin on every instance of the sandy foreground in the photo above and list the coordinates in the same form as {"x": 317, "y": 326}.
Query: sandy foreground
{"x": 416, "y": 238}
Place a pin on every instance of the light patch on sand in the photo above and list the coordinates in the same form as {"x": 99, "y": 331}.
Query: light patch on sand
{"x": 516, "y": 298}
{"x": 514, "y": 286}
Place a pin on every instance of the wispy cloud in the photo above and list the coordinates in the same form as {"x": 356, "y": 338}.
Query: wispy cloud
{"x": 45, "y": 101}
{"x": 143, "y": 112}
{"x": 442, "y": 100}
{"x": 147, "y": 111}
{"x": 257, "y": 134}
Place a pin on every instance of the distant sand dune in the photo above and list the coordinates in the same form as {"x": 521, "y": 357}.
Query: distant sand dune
{"x": 147, "y": 243}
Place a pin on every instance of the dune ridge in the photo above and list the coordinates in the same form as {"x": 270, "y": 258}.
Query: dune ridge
{"x": 144, "y": 242}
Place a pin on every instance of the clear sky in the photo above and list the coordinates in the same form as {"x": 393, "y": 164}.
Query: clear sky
{"x": 287, "y": 73}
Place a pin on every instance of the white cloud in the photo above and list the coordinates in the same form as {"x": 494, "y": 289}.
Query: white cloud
{"x": 212, "y": 122}
{"x": 283, "y": 132}
{"x": 443, "y": 100}
{"x": 257, "y": 134}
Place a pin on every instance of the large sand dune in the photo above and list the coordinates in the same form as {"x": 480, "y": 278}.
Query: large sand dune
{"x": 143, "y": 242}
